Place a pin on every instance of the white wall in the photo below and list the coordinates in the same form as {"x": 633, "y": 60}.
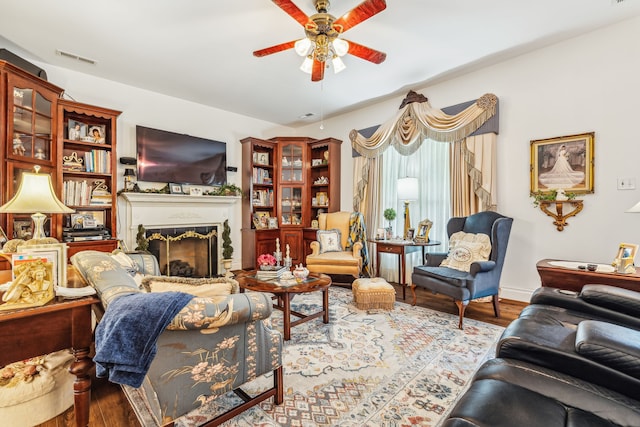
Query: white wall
{"x": 589, "y": 83}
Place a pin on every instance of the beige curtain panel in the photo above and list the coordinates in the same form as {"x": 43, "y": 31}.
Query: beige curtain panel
{"x": 416, "y": 121}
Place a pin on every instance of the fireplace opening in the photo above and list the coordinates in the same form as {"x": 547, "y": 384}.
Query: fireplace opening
{"x": 185, "y": 252}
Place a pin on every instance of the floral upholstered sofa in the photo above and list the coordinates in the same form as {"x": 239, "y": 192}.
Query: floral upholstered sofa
{"x": 218, "y": 340}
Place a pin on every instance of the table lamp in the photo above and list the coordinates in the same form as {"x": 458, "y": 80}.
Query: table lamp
{"x": 634, "y": 209}
{"x": 129, "y": 173}
{"x": 36, "y": 196}
{"x": 407, "y": 191}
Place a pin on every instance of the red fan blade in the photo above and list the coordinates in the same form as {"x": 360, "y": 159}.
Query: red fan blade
{"x": 292, "y": 10}
{"x": 317, "y": 72}
{"x": 275, "y": 49}
{"x": 366, "y": 53}
{"x": 362, "y": 12}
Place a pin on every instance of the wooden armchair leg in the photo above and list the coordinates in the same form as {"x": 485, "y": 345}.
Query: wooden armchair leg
{"x": 496, "y": 305}
{"x": 413, "y": 292}
{"x": 462, "y": 305}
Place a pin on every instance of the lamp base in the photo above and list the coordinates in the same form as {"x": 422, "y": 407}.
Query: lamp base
{"x": 407, "y": 220}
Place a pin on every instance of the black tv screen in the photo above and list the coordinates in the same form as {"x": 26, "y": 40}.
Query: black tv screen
{"x": 176, "y": 158}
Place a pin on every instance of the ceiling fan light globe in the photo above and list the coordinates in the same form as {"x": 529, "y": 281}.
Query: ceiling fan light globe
{"x": 341, "y": 47}
{"x": 307, "y": 65}
{"x": 338, "y": 65}
{"x": 302, "y": 46}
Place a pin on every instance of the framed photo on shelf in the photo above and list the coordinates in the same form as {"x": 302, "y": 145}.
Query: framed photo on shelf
{"x": 22, "y": 229}
{"x": 77, "y": 130}
{"x": 410, "y": 233}
{"x": 96, "y": 216}
{"x": 175, "y": 188}
{"x": 262, "y": 158}
{"x": 261, "y": 220}
{"x": 272, "y": 222}
{"x": 97, "y": 133}
{"x": 562, "y": 163}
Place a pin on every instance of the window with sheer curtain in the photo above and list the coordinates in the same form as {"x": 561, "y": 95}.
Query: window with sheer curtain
{"x": 430, "y": 164}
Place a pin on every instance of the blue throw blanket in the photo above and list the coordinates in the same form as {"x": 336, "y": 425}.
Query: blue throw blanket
{"x": 127, "y": 334}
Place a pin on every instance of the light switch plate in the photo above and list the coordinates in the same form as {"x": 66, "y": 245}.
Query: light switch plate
{"x": 626, "y": 183}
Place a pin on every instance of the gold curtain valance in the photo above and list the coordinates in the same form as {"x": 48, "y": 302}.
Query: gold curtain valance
{"x": 418, "y": 120}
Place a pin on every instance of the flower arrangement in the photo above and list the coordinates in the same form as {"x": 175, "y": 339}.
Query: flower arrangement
{"x": 266, "y": 260}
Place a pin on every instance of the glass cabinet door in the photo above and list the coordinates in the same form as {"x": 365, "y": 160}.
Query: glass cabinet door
{"x": 291, "y": 205}
{"x": 291, "y": 163}
{"x": 31, "y": 124}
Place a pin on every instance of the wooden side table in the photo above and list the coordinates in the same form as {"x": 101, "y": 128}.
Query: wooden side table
{"x": 574, "y": 279}
{"x": 400, "y": 248}
{"x": 57, "y": 325}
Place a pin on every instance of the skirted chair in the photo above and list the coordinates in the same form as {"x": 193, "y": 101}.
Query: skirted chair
{"x": 212, "y": 339}
{"x": 341, "y": 246}
{"x": 472, "y": 267}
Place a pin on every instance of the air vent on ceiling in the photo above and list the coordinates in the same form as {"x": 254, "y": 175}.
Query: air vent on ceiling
{"x": 615, "y": 2}
{"x": 76, "y": 57}
{"x": 306, "y": 115}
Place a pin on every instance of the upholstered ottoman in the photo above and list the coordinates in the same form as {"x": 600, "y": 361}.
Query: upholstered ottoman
{"x": 373, "y": 293}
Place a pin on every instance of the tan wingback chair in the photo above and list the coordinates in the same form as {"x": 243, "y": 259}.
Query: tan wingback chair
{"x": 347, "y": 261}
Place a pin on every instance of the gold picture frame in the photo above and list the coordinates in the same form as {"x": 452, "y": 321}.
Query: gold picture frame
{"x": 624, "y": 261}
{"x": 422, "y": 233}
{"x": 562, "y": 163}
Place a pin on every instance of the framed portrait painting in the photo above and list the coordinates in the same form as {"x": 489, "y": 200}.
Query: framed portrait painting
{"x": 562, "y": 163}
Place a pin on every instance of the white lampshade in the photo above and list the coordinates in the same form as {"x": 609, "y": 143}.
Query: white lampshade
{"x": 635, "y": 208}
{"x": 338, "y": 65}
{"x": 341, "y": 47}
{"x": 408, "y": 189}
{"x": 36, "y": 196}
{"x": 307, "y": 65}
{"x": 302, "y": 46}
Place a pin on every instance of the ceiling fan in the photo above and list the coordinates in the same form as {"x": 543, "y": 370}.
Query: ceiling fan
{"x": 322, "y": 42}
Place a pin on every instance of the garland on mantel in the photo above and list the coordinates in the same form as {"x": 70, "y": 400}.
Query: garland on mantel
{"x": 223, "y": 190}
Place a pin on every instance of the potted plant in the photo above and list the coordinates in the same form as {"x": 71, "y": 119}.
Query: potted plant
{"x": 389, "y": 214}
{"x": 552, "y": 195}
{"x": 227, "y": 249}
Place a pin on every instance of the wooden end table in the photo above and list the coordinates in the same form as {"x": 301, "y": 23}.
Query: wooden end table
{"x": 284, "y": 294}
{"x": 57, "y": 325}
{"x": 400, "y": 248}
{"x": 574, "y": 279}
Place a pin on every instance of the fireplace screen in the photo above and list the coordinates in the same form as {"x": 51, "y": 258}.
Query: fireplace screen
{"x": 186, "y": 252}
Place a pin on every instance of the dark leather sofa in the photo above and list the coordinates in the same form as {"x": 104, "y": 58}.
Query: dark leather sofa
{"x": 570, "y": 359}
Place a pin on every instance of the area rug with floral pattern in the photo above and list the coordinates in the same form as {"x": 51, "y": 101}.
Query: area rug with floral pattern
{"x": 405, "y": 367}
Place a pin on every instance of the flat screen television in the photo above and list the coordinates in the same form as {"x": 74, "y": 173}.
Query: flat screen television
{"x": 164, "y": 156}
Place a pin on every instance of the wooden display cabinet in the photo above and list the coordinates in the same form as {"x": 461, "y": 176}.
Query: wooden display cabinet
{"x": 324, "y": 177}
{"x": 27, "y": 133}
{"x": 87, "y": 159}
{"x": 293, "y": 180}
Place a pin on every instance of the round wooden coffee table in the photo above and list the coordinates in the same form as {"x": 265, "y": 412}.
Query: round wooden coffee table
{"x": 284, "y": 294}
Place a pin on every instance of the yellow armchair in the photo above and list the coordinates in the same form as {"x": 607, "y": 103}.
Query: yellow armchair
{"x": 337, "y": 260}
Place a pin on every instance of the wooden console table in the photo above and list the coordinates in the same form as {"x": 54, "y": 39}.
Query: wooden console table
{"x": 400, "y": 248}
{"x": 574, "y": 279}
{"x": 57, "y": 325}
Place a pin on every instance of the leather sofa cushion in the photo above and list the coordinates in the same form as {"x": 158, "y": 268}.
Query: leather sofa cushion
{"x": 611, "y": 297}
{"x": 611, "y": 345}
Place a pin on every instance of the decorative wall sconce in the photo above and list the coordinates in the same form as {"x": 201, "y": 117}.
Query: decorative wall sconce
{"x": 560, "y": 218}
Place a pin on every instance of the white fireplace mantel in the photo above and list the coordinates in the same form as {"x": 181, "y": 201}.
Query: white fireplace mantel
{"x": 153, "y": 210}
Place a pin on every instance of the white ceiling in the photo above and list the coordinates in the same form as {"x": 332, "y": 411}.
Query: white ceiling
{"x": 201, "y": 50}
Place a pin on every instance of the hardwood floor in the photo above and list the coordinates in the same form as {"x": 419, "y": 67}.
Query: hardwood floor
{"x": 110, "y": 408}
